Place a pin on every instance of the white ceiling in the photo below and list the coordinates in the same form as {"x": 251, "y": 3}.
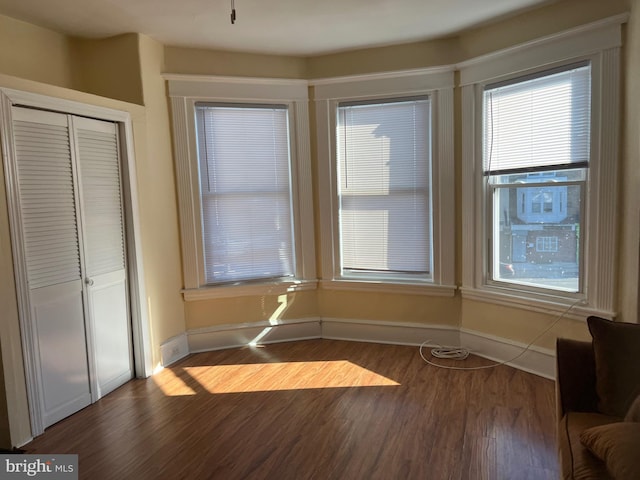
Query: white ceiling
{"x": 285, "y": 27}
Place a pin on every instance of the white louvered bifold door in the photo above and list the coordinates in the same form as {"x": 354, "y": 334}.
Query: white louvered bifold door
{"x": 102, "y": 223}
{"x": 48, "y": 211}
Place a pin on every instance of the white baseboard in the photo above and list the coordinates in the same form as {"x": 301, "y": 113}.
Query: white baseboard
{"x": 395, "y": 333}
{"x": 22, "y": 443}
{"x": 238, "y": 335}
{"x": 174, "y": 349}
{"x": 536, "y": 360}
{"x": 114, "y": 383}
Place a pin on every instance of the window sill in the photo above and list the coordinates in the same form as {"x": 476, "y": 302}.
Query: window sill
{"x": 405, "y": 288}
{"x": 248, "y": 290}
{"x": 568, "y": 307}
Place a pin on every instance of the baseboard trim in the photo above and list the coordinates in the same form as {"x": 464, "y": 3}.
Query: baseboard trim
{"x": 395, "y": 333}
{"x": 22, "y": 443}
{"x": 256, "y": 333}
{"x": 114, "y": 383}
{"x": 174, "y": 349}
{"x": 536, "y": 360}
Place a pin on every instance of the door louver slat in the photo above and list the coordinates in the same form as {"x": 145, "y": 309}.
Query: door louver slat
{"x": 48, "y": 204}
{"x": 102, "y": 201}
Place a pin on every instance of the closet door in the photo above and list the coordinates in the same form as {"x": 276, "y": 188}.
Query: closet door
{"x": 102, "y": 223}
{"x": 48, "y": 210}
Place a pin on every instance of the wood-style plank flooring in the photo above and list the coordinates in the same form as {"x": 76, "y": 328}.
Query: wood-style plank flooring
{"x": 318, "y": 409}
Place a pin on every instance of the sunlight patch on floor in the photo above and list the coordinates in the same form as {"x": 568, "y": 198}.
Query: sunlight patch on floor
{"x": 266, "y": 377}
{"x": 171, "y": 385}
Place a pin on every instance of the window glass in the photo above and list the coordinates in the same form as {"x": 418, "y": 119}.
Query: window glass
{"x": 245, "y": 186}
{"x": 383, "y": 156}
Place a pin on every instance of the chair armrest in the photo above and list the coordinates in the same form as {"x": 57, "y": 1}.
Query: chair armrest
{"x": 575, "y": 377}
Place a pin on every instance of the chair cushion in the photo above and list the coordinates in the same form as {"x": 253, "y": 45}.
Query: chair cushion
{"x": 577, "y": 462}
{"x": 616, "y": 444}
{"x": 616, "y": 348}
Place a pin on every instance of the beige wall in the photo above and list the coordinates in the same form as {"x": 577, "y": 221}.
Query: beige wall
{"x": 518, "y": 325}
{"x": 537, "y": 23}
{"x": 207, "y": 313}
{"x": 389, "y": 307}
{"x": 372, "y": 60}
{"x": 108, "y": 67}
{"x": 35, "y": 53}
{"x": 158, "y": 207}
{"x": 194, "y": 61}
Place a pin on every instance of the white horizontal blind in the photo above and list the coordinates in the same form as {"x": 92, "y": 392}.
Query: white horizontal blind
{"x": 245, "y": 183}
{"x": 538, "y": 123}
{"x": 102, "y": 203}
{"x": 47, "y": 199}
{"x": 384, "y": 182}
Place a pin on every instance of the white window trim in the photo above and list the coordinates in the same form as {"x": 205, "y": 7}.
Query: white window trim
{"x": 185, "y": 91}
{"x": 438, "y": 83}
{"x": 600, "y": 43}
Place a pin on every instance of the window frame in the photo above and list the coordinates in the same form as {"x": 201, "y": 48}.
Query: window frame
{"x": 437, "y": 84}
{"x": 598, "y": 44}
{"x": 185, "y": 92}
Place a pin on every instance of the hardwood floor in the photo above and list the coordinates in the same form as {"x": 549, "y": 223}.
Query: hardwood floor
{"x": 317, "y": 409}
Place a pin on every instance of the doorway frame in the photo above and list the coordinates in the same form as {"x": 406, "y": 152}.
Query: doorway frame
{"x": 141, "y": 329}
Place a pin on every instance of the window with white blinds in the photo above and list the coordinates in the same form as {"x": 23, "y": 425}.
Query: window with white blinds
{"x": 383, "y": 167}
{"x": 245, "y": 191}
{"x": 536, "y": 133}
{"x": 538, "y": 123}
